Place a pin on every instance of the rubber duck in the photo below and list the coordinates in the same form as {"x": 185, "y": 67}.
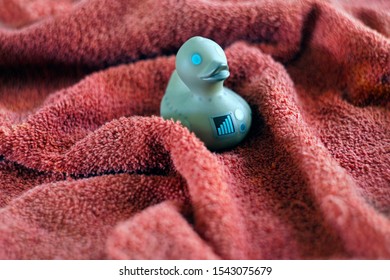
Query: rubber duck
{"x": 196, "y": 97}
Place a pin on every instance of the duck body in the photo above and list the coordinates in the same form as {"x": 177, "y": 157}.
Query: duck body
{"x": 196, "y": 97}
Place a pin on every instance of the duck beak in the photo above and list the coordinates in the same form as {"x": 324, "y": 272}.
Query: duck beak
{"x": 217, "y": 72}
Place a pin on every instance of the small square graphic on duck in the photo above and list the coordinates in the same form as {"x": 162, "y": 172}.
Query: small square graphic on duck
{"x": 223, "y": 125}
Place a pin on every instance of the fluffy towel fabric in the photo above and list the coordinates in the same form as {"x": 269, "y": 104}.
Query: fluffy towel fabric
{"x": 90, "y": 171}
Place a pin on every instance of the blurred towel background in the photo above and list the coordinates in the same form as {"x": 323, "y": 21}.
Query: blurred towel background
{"x": 88, "y": 169}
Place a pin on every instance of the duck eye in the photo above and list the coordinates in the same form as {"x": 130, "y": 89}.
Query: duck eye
{"x": 196, "y": 59}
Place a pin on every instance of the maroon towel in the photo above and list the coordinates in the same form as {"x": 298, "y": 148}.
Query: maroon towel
{"x": 89, "y": 170}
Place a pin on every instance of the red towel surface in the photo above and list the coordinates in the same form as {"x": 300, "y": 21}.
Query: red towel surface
{"x": 88, "y": 169}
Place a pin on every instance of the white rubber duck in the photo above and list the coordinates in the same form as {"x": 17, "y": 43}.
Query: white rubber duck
{"x": 195, "y": 96}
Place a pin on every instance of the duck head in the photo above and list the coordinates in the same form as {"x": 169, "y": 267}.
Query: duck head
{"x": 202, "y": 65}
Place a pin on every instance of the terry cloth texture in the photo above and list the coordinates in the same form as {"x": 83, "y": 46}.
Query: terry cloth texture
{"x": 88, "y": 169}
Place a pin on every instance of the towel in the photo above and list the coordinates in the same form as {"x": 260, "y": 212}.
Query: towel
{"x": 89, "y": 170}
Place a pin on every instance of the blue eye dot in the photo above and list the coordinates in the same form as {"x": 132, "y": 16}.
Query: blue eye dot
{"x": 196, "y": 59}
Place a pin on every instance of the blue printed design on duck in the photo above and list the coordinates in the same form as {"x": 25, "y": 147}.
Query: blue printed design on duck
{"x": 223, "y": 125}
